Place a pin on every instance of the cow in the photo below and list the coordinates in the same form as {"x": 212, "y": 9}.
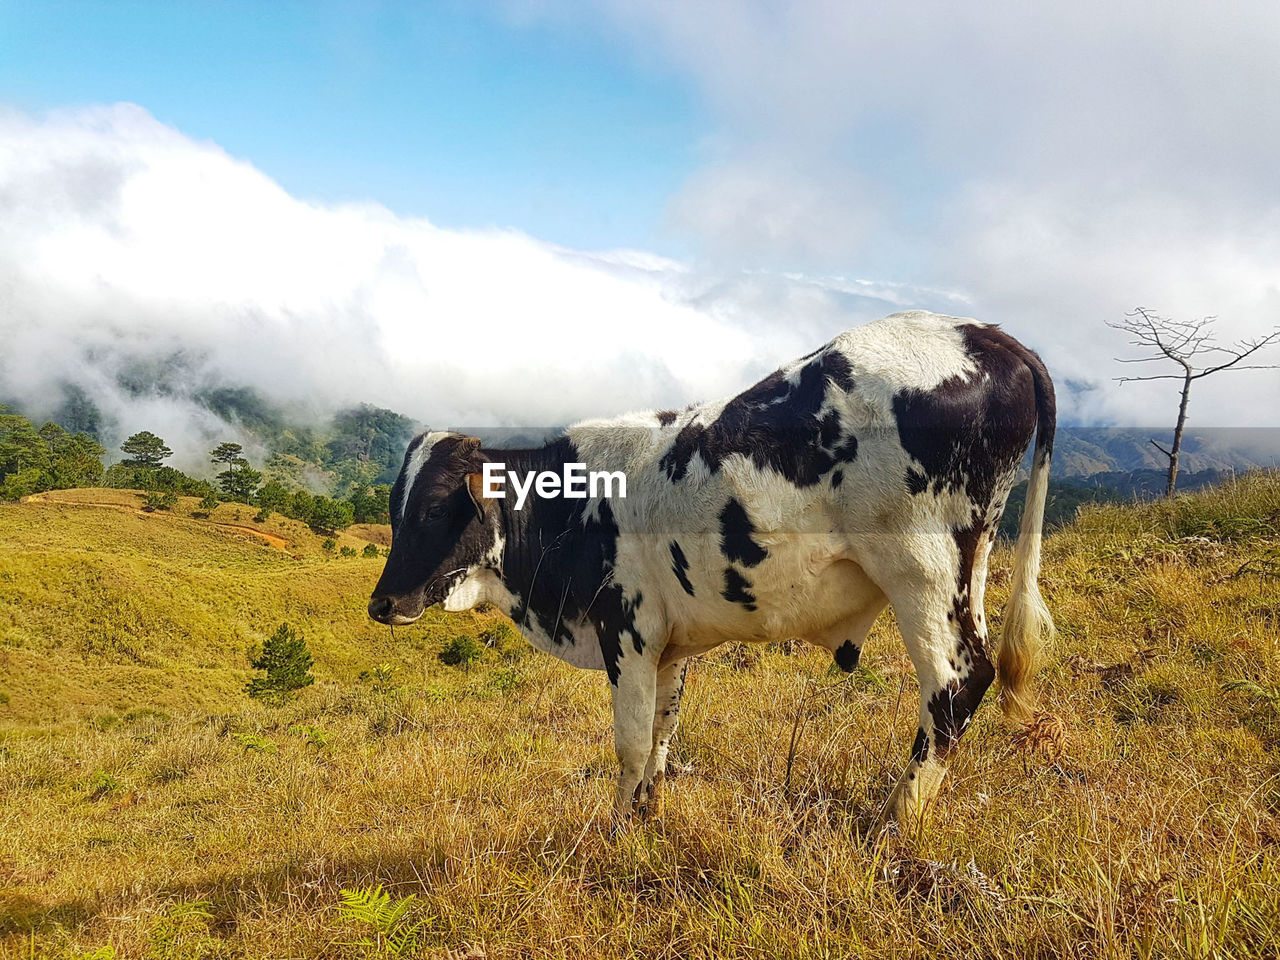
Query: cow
{"x": 872, "y": 472}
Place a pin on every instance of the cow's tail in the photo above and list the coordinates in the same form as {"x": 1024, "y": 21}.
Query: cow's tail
{"x": 1028, "y": 625}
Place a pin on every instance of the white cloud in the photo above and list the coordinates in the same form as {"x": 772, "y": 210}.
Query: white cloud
{"x": 1056, "y": 164}
{"x": 124, "y": 242}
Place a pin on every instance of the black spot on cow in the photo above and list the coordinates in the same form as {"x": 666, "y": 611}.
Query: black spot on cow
{"x": 969, "y": 432}
{"x": 737, "y": 589}
{"x": 680, "y": 567}
{"x": 735, "y": 536}
{"x": 837, "y": 478}
{"x": 666, "y": 417}
{"x": 559, "y": 561}
{"x": 920, "y": 747}
{"x": 847, "y": 655}
{"x": 613, "y": 614}
{"x": 829, "y": 429}
{"x": 954, "y": 705}
{"x": 774, "y": 424}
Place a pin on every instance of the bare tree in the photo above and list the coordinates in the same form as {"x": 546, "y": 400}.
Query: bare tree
{"x": 1191, "y": 345}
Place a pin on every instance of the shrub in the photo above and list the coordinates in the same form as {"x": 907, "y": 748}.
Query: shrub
{"x": 262, "y": 516}
{"x": 370, "y": 551}
{"x": 348, "y": 551}
{"x": 329, "y": 544}
{"x": 329, "y": 516}
{"x": 210, "y": 502}
{"x": 462, "y": 651}
{"x": 160, "y": 500}
{"x": 274, "y": 495}
{"x": 286, "y": 663}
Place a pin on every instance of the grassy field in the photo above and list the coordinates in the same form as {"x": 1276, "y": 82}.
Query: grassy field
{"x": 148, "y": 808}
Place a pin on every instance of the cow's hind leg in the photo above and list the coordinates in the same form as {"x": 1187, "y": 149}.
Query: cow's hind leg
{"x": 666, "y": 717}
{"x": 939, "y": 611}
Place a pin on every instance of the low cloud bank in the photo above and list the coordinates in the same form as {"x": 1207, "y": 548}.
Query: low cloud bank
{"x": 145, "y": 267}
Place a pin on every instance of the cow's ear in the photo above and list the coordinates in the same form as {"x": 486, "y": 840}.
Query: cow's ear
{"x": 475, "y": 488}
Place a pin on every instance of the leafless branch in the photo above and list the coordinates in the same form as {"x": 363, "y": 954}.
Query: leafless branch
{"x": 1243, "y": 349}
{"x": 1183, "y": 341}
{"x": 1161, "y": 449}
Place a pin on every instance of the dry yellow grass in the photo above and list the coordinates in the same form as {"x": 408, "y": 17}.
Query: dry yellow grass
{"x": 148, "y": 808}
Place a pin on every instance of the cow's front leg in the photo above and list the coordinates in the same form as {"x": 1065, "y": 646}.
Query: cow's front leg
{"x": 634, "y": 692}
{"x": 666, "y": 717}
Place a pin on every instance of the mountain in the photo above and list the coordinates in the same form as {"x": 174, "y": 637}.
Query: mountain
{"x": 1086, "y": 451}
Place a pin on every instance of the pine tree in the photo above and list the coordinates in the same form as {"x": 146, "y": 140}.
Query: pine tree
{"x": 228, "y": 453}
{"x": 241, "y": 484}
{"x": 145, "y": 450}
{"x": 285, "y": 660}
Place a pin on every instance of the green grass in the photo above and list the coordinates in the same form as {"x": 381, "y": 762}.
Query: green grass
{"x": 148, "y": 808}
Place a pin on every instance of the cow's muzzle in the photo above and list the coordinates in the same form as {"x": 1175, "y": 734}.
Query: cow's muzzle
{"x": 387, "y": 610}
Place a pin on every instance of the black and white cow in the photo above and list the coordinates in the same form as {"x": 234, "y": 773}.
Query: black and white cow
{"x": 873, "y": 471}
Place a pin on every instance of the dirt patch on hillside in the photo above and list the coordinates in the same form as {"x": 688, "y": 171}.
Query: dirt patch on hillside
{"x": 379, "y": 533}
{"x": 271, "y": 538}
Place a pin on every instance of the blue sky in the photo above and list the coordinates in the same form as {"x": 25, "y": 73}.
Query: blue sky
{"x": 174, "y": 173}
{"x": 451, "y": 111}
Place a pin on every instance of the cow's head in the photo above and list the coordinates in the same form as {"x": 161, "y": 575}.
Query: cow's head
{"x": 444, "y": 539}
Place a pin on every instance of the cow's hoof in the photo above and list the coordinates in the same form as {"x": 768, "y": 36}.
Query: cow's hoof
{"x": 651, "y": 809}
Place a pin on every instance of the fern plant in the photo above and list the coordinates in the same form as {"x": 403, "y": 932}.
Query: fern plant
{"x": 391, "y": 930}
{"x": 184, "y": 931}
{"x": 314, "y": 736}
{"x": 1255, "y": 690}
{"x": 253, "y": 742}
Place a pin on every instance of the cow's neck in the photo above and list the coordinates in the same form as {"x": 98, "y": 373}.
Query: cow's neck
{"x": 539, "y": 537}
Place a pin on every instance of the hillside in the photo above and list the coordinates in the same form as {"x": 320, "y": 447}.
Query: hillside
{"x": 155, "y": 610}
{"x": 148, "y": 808}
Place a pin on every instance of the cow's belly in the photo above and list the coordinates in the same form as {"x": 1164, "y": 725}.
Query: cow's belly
{"x": 800, "y": 591}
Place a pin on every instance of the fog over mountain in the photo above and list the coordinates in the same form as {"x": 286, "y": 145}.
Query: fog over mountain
{"x": 141, "y": 269}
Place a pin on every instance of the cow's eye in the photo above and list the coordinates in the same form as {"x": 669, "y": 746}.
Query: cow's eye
{"x": 437, "y": 512}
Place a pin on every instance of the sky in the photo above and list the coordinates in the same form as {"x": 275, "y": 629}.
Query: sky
{"x": 526, "y": 213}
